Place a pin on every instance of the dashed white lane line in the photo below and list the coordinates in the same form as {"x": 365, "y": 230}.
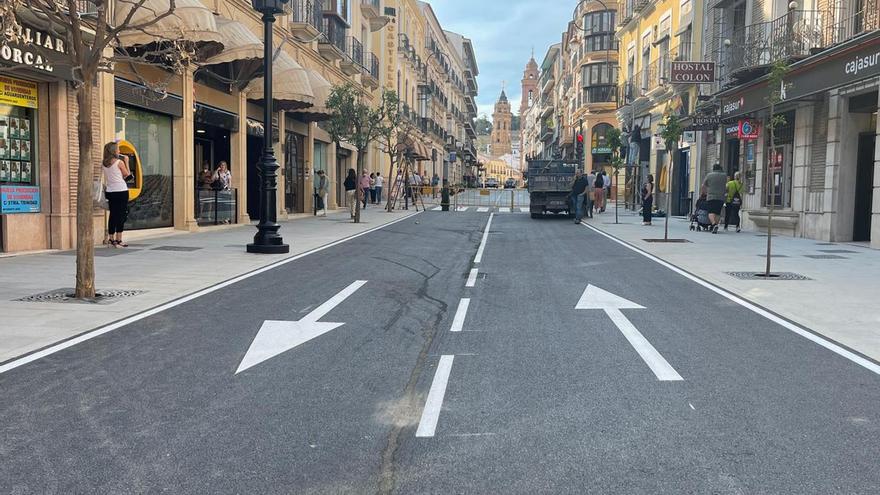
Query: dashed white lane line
{"x": 460, "y": 315}
{"x": 482, "y": 247}
{"x": 503, "y": 210}
{"x": 482, "y": 209}
{"x": 472, "y": 278}
{"x": 431, "y": 412}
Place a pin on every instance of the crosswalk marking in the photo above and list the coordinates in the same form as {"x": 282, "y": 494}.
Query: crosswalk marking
{"x": 438, "y": 208}
{"x": 523, "y": 210}
{"x": 482, "y": 209}
{"x": 462, "y": 208}
{"x": 503, "y": 210}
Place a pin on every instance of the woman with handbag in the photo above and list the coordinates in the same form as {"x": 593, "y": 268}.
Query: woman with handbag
{"x": 115, "y": 168}
{"x": 734, "y": 201}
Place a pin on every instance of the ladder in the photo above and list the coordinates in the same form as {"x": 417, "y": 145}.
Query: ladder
{"x": 400, "y": 187}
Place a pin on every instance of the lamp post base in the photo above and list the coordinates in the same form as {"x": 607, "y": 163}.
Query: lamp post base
{"x": 268, "y": 248}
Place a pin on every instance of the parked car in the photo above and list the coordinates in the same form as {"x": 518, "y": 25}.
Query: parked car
{"x": 492, "y": 182}
{"x": 510, "y": 184}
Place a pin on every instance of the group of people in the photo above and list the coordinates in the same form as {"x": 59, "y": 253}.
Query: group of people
{"x": 588, "y": 193}
{"x": 218, "y": 180}
{"x": 366, "y": 189}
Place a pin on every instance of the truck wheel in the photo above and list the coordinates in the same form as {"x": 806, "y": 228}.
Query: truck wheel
{"x": 535, "y": 215}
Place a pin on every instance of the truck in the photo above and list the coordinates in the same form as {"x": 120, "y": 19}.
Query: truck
{"x": 549, "y": 186}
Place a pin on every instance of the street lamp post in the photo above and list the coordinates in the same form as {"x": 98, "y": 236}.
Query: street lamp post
{"x": 268, "y": 240}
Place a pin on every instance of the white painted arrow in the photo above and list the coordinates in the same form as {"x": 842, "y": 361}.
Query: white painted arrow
{"x": 276, "y": 337}
{"x": 596, "y": 298}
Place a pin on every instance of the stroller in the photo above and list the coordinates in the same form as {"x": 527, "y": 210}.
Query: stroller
{"x": 700, "y": 216}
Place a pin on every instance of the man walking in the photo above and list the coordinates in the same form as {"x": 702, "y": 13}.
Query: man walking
{"x": 715, "y": 185}
{"x": 590, "y": 193}
{"x": 380, "y": 183}
{"x": 578, "y": 192}
{"x": 364, "y": 186}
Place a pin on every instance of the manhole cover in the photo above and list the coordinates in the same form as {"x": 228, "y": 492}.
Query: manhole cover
{"x": 838, "y": 251}
{"x": 104, "y": 296}
{"x": 674, "y": 241}
{"x": 826, "y": 257}
{"x": 175, "y": 248}
{"x": 773, "y": 276}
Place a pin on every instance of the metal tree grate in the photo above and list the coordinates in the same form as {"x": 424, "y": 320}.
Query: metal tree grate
{"x": 838, "y": 251}
{"x": 673, "y": 241}
{"x": 175, "y": 248}
{"x": 773, "y": 276}
{"x": 66, "y": 295}
{"x": 825, "y": 257}
{"x": 764, "y": 255}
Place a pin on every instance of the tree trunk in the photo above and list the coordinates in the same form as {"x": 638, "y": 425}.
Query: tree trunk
{"x": 357, "y": 188}
{"x": 771, "y": 200}
{"x": 391, "y": 177}
{"x": 671, "y": 147}
{"x": 85, "y": 235}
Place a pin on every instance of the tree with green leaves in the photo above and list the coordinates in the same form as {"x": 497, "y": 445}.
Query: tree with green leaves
{"x": 613, "y": 136}
{"x": 776, "y": 83}
{"x": 356, "y": 122}
{"x": 671, "y": 135}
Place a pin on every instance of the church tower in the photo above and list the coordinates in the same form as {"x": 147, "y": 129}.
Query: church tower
{"x": 501, "y": 120}
{"x": 529, "y": 85}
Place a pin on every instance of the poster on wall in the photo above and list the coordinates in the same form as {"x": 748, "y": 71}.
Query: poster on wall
{"x": 4, "y": 170}
{"x": 4, "y": 148}
{"x": 13, "y": 127}
{"x": 24, "y": 128}
{"x": 15, "y": 172}
{"x": 26, "y": 150}
{"x": 25, "y": 172}
{"x": 19, "y": 199}
{"x": 4, "y": 127}
{"x": 14, "y": 149}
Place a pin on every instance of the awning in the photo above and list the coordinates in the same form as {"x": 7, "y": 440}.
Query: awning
{"x": 291, "y": 89}
{"x": 422, "y": 153}
{"x": 190, "y": 21}
{"x": 321, "y": 89}
{"x": 239, "y": 43}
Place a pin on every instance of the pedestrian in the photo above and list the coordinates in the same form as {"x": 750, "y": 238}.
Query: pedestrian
{"x": 116, "y": 172}
{"x": 647, "y": 200}
{"x": 734, "y": 202}
{"x": 322, "y": 187}
{"x": 415, "y": 184}
{"x": 372, "y": 188}
{"x": 716, "y": 191}
{"x": 222, "y": 177}
{"x": 599, "y": 191}
{"x": 364, "y": 188}
{"x": 350, "y": 185}
{"x": 607, "y": 194}
{"x": 380, "y": 183}
{"x": 206, "y": 177}
{"x": 578, "y": 194}
{"x": 591, "y": 193}
{"x": 435, "y": 182}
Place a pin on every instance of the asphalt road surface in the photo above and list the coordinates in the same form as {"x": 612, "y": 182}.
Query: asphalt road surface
{"x": 467, "y": 361}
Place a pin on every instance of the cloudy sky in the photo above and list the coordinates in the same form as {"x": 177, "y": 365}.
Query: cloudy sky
{"x": 504, "y": 33}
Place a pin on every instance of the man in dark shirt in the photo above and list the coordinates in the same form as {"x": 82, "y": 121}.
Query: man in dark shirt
{"x": 715, "y": 186}
{"x": 578, "y": 191}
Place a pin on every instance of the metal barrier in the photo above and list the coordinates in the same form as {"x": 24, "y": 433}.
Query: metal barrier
{"x": 491, "y": 198}
{"x": 216, "y": 207}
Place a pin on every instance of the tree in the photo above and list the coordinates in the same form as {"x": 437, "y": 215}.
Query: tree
{"x": 483, "y": 126}
{"x": 354, "y": 121}
{"x": 613, "y": 136}
{"x": 671, "y": 134}
{"x": 395, "y": 135}
{"x": 92, "y": 47}
{"x": 776, "y": 83}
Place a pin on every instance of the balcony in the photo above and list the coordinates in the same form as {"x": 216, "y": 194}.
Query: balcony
{"x": 600, "y": 43}
{"x": 403, "y": 43}
{"x": 372, "y": 11}
{"x": 547, "y": 132}
{"x": 471, "y": 105}
{"x": 354, "y": 56}
{"x": 331, "y": 44}
{"x": 307, "y": 18}
{"x": 548, "y": 82}
{"x": 370, "y": 70}
{"x": 86, "y": 7}
{"x": 606, "y": 93}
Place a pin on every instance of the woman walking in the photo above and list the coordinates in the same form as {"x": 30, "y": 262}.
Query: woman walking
{"x": 733, "y": 202}
{"x": 647, "y": 200}
{"x": 350, "y": 185}
{"x": 372, "y": 188}
{"x": 115, "y": 168}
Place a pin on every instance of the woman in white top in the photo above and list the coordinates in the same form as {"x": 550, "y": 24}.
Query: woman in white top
{"x": 224, "y": 176}
{"x": 116, "y": 190}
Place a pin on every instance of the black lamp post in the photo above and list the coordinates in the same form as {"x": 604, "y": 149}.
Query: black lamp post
{"x": 268, "y": 240}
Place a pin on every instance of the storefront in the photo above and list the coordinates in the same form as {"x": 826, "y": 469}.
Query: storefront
{"x": 19, "y": 172}
{"x": 216, "y": 203}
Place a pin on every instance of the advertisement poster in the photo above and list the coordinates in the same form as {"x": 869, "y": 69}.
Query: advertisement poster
{"x": 24, "y": 128}
{"x": 18, "y": 93}
{"x": 4, "y": 148}
{"x": 14, "y": 149}
{"x": 13, "y": 127}
{"x": 4, "y": 126}
{"x": 25, "y": 172}
{"x": 4, "y": 170}
{"x": 19, "y": 199}
{"x": 15, "y": 172}
{"x": 26, "y": 150}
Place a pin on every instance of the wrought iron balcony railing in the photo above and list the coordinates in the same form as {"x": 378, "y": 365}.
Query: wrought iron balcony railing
{"x": 308, "y": 12}
{"x": 333, "y": 32}
{"x": 355, "y": 50}
{"x": 371, "y": 65}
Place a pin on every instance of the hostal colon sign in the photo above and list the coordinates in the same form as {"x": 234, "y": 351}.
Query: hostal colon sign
{"x": 34, "y": 48}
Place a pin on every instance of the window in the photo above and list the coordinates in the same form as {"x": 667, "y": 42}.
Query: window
{"x": 600, "y": 82}
{"x": 319, "y": 160}
{"x": 18, "y": 145}
{"x": 599, "y": 142}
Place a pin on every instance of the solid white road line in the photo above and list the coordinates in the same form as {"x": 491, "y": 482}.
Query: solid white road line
{"x": 652, "y": 358}
{"x": 472, "y": 278}
{"x": 482, "y": 209}
{"x": 15, "y": 363}
{"x": 460, "y": 315}
{"x": 482, "y": 247}
{"x": 831, "y": 346}
{"x": 503, "y": 210}
{"x": 431, "y": 413}
{"x": 523, "y": 210}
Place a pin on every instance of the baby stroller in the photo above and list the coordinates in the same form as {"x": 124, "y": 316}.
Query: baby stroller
{"x": 700, "y": 217}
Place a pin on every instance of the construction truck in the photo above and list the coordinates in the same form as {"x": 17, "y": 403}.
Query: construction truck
{"x": 550, "y": 186}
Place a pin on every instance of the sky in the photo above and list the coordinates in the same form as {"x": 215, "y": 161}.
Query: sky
{"x": 503, "y": 33}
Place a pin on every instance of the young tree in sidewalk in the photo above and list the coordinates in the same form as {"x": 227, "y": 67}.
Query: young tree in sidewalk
{"x": 776, "y": 83}
{"x": 91, "y": 47}
{"x": 671, "y": 135}
{"x": 613, "y": 136}
{"x": 354, "y": 121}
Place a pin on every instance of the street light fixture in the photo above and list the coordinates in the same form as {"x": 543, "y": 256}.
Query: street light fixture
{"x": 268, "y": 240}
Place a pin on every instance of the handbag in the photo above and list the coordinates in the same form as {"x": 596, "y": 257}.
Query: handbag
{"x": 99, "y": 198}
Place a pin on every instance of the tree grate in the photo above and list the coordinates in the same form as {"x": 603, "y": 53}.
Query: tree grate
{"x": 672, "y": 241}
{"x": 66, "y": 295}
{"x": 175, "y": 248}
{"x": 773, "y": 276}
{"x": 825, "y": 257}
{"x": 838, "y": 251}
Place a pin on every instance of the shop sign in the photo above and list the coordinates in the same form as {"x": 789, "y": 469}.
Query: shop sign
{"x": 747, "y": 129}
{"x": 657, "y": 143}
{"x": 732, "y": 131}
{"x": 601, "y": 150}
{"x": 19, "y": 199}
{"x": 18, "y": 93}
{"x": 703, "y": 123}
{"x": 36, "y": 49}
{"x": 692, "y": 72}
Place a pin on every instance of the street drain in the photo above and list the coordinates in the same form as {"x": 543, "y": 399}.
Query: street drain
{"x": 66, "y": 295}
{"x": 773, "y": 276}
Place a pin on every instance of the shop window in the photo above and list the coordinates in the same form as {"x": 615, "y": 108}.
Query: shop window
{"x": 150, "y": 133}
{"x": 18, "y": 145}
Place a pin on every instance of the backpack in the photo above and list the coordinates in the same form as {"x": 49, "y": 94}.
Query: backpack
{"x": 600, "y": 181}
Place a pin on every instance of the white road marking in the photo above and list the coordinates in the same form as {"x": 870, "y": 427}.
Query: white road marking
{"x": 596, "y": 298}
{"x": 15, "y": 363}
{"x": 503, "y": 210}
{"x": 277, "y": 337}
{"x": 482, "y": 209}
{"x": 462, "y": 208}
{"x": 523, "y": 210}
{"x": 431, "y": 412}
{"x": 437, "y": 208}
{"x": 472, "y": 278}
{"x": 460, "y": 315}
{"x": 831, "y": 346}
{"x": 482, "y": 247}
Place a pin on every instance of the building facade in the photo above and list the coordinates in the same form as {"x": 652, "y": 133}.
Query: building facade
{"x": 501, "y": 122}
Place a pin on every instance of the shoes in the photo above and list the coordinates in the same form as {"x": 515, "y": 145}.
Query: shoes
{"x": 725, "y": 228}
{"x": 715, "y": 229}
{"x": 738, "y": 230}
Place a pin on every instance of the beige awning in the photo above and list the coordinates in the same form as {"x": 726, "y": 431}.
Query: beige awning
{"x": 291, "y": 89}
{"x": 239, "y": 43}
{"x": 190, "y": 21}
{"x": 321, "y": 89}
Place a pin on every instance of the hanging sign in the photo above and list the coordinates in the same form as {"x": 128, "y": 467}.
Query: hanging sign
{"x": 37, "y": 49}
{"x": 703, "y": 123}
{"x": 692, "y": 72}
{"x": 747, "y": 129}
{"x": 18, "y": 93}
{"x": 19, "y": 199}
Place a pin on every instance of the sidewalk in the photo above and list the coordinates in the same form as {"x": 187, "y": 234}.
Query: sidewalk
{"x": 165, "y": 267}
{"x": 839, "y": 301}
